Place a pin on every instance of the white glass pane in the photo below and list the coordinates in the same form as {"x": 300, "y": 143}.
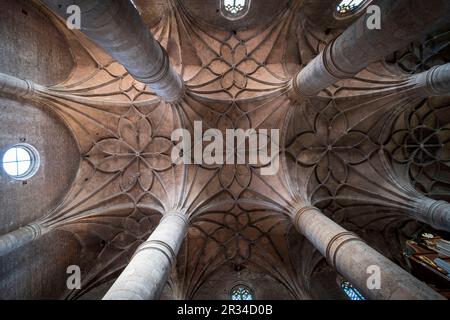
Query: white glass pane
{"x": 23, "y": 167}
{"x": 10, "y": 168}
{"x": 346, "y": 6}
{"x": 23, "y": 155}
{"x": 10, "y": 155}
{"x": 351, "y": 2}
{"x": 234, "y": 6}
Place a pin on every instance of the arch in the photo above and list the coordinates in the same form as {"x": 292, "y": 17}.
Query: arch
{"x": 241, "y": 291}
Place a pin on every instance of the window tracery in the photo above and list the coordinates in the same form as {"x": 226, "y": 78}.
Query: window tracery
{"x": 241, "y": 292}
{"x": 234, "y": 9}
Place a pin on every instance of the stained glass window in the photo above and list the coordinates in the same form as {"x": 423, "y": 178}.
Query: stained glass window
{"x": 351, "y": 292}
{"x": 234, "y": 6}
{"x": 234, "y": 9}
{"x": 241, "y": 293}
{"x": 20, "y": 162}
{"x": 349, "y": 6}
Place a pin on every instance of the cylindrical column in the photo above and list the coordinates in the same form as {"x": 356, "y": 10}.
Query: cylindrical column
{"x": 402, "y": 22}
{"x": 432, "y": 212}
{"x": 146, "y": 274}
{"x": 116, "y": 26}
{"x": 352, "y": 258}
{"x": 434, "y": 82}
{"x": 15, "y": 239}
{"x": 14, "y": 86}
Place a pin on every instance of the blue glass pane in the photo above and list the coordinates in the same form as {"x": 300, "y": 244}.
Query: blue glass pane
{"x": 351, "y": 292}
{"x": 241, "y": 293}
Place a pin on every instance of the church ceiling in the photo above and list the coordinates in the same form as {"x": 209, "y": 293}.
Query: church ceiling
{"x": 360, "y": 150}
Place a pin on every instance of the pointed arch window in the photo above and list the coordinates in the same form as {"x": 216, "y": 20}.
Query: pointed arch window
{"x": 234, "y": 9}
{"x": 241, "y": 292}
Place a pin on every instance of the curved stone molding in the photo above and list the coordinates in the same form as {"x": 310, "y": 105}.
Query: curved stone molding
{"x": 352, "y": 258}
{"x": 299, "y": 215}
{"x": 147, "y": 272}
{"x": 161, "y": 246}
{"x": 18, "y": 238}
{"x": 337, "y": 242}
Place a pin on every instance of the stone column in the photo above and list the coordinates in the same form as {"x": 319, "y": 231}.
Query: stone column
{"x": 401, "y": 23}
{"x": 116, "y": 26}
{"x": 16, "y": 87}
{"x": 432, "y": 212}
{"x": 146, "y": 274}
{"x": 16, "y": 239}
{"x": 434, "y": 82}
{"x": 351, "y": 257}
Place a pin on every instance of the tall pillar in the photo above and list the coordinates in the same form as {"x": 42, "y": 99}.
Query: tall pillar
{"x": 401, "y": 23}
{"x": 434, "y": 82}
{"x": 351, "y": 257}
{"x": 16, "y": 239}
{"x": 146, "y": 274}
{"x": 116, "y": 26}
{"x": 16, "y": 87}
{"x": 432, "y": 212}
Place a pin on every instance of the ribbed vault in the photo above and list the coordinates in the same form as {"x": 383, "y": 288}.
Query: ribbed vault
{"x": 366, "y": 151}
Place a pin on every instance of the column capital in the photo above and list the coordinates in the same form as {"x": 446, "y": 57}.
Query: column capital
{"x": 36, "y": 229}
{"x": 159, "y": 241}
{"x": 17, "y": 238}
{"x": 435, "y": 213}
{"x": 329, "y": 62}
{"x": 295, "y": 94}
{"x": 350, "y": 256}
{"x": 16, "y": 86}
{"x": 146, "y": 274}
{"x": 320, "y": 73}
{"x": 177, "y": 214}
{"x": 434, "y": 82}
{"x": 159, "y": 245}
{"x": 299, "y": 214}
{"x": 337, "y": 242}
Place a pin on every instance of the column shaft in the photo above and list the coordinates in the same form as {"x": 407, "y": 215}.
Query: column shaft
{"x": 352, "y": 257}
{"x": 432, "y": 212}
{"x": 401, "y": 23}
{"x": 16, "y": 239}
{"x": 146, "y": 274}
{"x": 116, "y": 26}
{"x": 16, "y": 87}
{"x": 434, "y": 82}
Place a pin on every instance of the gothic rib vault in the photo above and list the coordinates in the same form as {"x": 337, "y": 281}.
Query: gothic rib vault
{"x": 370, "y": 151}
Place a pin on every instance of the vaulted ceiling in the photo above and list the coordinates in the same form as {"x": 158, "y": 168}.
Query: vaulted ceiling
{"x": 339, "y": 150}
